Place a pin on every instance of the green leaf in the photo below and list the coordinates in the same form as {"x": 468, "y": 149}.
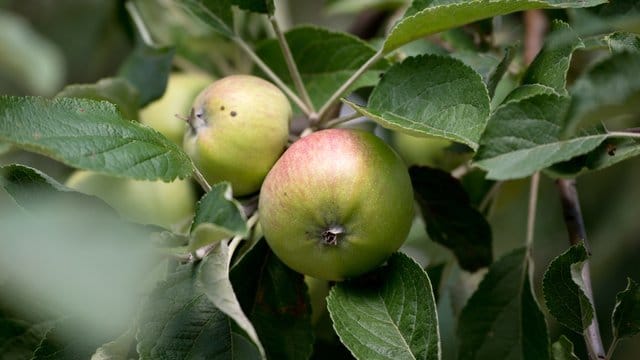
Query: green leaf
{"x": 431, "y": 96}
{"x": 276, "y": 300}
{"x": 117, "y": 91}
{"x": 524, "y": 136}
{"x": 502, "y": 319}
{"x": 147, "y": 69}
{"x": 623, "y": 42}
{"x": 20, "y": 338}
{"x": 215, "y": 13}
{"x": 551, "y": 65}
{"x": 608, "y": 153}
{"x": 450, "y": 218}
{"x": 218, "y": 208}
{"x": 625, "y": 320}
{"x": 427, "y": 17}
{"x": 180, "y": 322}
{"x": 498, "y": 72}
{"x": 28, "y": 58}
{"x": 117, "y": 349}
{"x": 325, "y": 59}
{"x": 213, "y": 277}
{"x": 62, "y": 342}
{"x": 563, "y": 295}
{"x": 91, "y": 135}
{"x": 389, "y": 315}
{"x": 259, "y": 6}
{"x": 608, "y": 90}
{"x": 563, "y": 349}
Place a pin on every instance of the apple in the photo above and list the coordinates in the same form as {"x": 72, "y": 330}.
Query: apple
{"x": 147, "y": 202}
{"x": 336, "y": 204}
{"x": 182, "y": 89}
{"x": 239, "y": 128}
{"x": 427, "y": 151}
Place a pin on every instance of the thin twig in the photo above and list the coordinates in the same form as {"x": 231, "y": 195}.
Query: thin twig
{"x": 339, "y": 120}
{"x": 491, "y": 194}
{"x": 533, "y": 205}
{"x": 612, "y": 348}
{"x": 197, "y": 175}
{"x": 267, "y": 70}
{"x": 461, "y": 170}
{"x": 356, "y": 75}
{"x": 291, "y": 64}
{"x": 140, "y": 25}
{"x": 623, "y": 134}
{"x": 577, "y": 233}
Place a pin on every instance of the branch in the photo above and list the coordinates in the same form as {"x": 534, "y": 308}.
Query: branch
{"x": 267, "y": 70}
{"x": 291, "y": 64}
{"x": 342, "y": 119}
{"x": 139, "y": 23}
{"x": 356, "y": 75}
{"x": 533, "y": 205}
{"x": 577, "y": 233}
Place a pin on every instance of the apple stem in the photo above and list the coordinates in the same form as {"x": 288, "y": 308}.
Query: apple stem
{"x": 291, "y": 64}
{"x": 197, "y": 175}
{"x": 267, "y": 70}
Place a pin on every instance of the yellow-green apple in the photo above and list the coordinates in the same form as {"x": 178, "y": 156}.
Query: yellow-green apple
{"x": 239, "y": 128}
{"x": 148, "y": 202}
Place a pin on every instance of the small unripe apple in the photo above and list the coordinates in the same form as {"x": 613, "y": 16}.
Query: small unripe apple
{"x": 336, "y": 204}
{"x": 182, "y": 89}
{"x": 427, "y": 151}
{"x": 147, "y": 202}
{"x": 239, "y": 128}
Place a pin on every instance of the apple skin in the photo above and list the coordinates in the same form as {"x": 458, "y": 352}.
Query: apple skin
{"x": 147, "y": 202}
{"x": 182, "y": 89}
{"x": 337, "y": 204}
{"x": 239, "y": 129}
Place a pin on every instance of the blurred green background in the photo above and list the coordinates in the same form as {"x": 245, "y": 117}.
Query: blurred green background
{"x": 47, "y": 44}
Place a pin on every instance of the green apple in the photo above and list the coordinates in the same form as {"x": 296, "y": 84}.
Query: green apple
{"x": 239, "y": 128}
{"x": 336, "y": 204}
{"x": 427, "y": 151}
{"x": 148, "y": 202}
{"x": 182, "y": 89}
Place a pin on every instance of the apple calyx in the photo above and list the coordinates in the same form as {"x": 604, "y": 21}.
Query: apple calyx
{"x": 196, "y": 121}
{"x": 333, "y": 235}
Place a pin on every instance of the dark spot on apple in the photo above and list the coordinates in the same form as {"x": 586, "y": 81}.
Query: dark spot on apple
{"x": 233, "y": 113}
{"x": 222, "y": 108}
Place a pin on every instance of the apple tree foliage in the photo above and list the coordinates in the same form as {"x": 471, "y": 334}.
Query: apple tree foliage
{"x": 213, "y": 289}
